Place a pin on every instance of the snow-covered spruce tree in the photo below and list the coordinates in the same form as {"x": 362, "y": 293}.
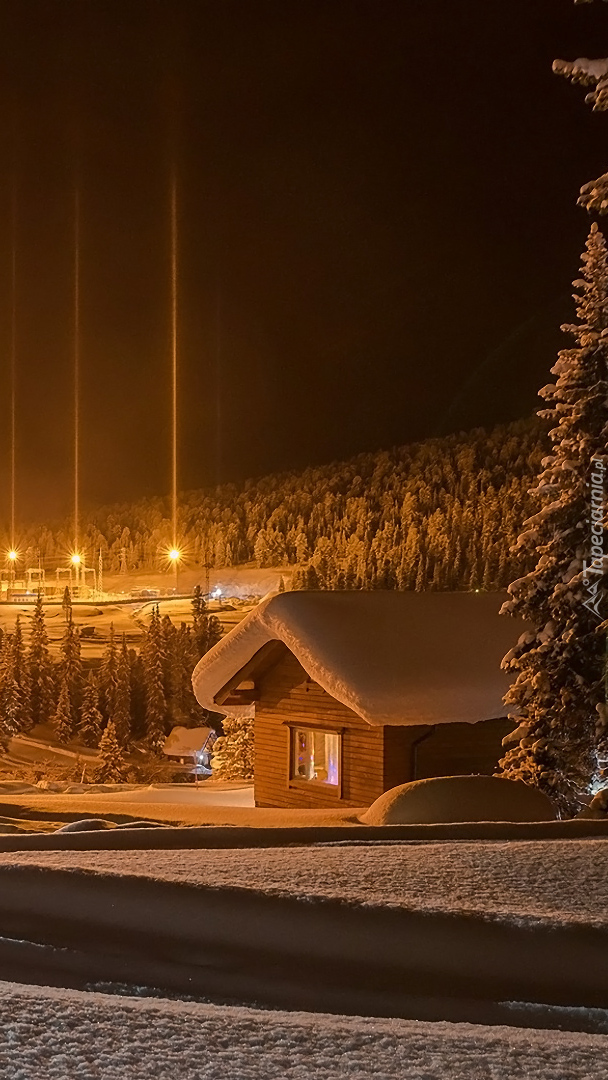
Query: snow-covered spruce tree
{"x": 232, "y": 757}
{"x": 70, "y": 665}
{"x": 10, "y": 693}
{"x": 592, "y": 73}
{"x": 156, "y": 705}
{"x": 121, "y": 711}
{"x": 40, "y": 668}
{"x": 90, "y": 716}
{"x": 560, "y": 665}
{"x": 107, "y": 675}
{"x": 22, "y": 677}
{"x": 206, "y": 629}
{"x": 112, "y": 767}
{"x": 63, "y": 720}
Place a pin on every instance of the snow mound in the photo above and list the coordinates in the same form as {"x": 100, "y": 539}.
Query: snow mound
{"x": 87, "y": 825}
{"x": 444, "y": 799}
{"x": 55, "y": 1034}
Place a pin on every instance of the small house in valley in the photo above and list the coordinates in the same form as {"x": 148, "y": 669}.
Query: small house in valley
{"x": 357, "y": 692}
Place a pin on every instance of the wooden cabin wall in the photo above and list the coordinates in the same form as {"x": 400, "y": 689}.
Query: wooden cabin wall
{"x": 374, "y": 759}
{"x": 460, "y": 749}
{"x": 285, "y": 695}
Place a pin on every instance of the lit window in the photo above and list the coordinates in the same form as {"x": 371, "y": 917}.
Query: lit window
{"x": 316, "y": 756}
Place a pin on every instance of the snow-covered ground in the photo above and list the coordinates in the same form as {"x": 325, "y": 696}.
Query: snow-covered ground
{"x": 562, "y": 882}
{"x": 50, "y": 1034}
{"x": 448, "y": 930}
{"x": 187, "y": 795}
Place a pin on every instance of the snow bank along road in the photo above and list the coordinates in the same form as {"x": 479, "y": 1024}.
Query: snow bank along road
{"x": 450, "y": 930}
{"x": 50, "y": 1034}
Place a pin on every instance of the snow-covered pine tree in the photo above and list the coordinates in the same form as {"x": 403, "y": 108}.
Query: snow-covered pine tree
{"x": 559, "y": 665}
{"x": 10, "y": 693}
{"x": 591, "y": 73}
{"x": 63, "y": 720}
{"x": 232, "y": 757}
{"x": 206, "y": 629}
{"x": 112, "y": 767}
{"x": 22, "y": 677}
{"x": 121, "y": 710}
{"x": 66, "y": 604}
{"x": 40, "y": 668}
{"x": 70, "y": 665}
{"x": 90, "y": 716}
{"x": 156, "y": 706}
{"x": 138, "y": 695}
{"x": 107, "y": 676}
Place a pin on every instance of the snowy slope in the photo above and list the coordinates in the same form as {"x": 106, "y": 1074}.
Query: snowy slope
{"x": 560, "y": 881}
{"x": 383, "y": 929}
{"x": 52, "y": 1034}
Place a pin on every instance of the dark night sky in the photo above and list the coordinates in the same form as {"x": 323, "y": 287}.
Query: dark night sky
{"x": 382, "y": 192}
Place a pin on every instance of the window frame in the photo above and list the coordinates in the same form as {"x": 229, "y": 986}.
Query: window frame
{"x": 301, "y": 783}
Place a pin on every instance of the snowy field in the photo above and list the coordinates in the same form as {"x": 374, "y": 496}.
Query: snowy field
{"x": 51, "y": 1034}
{"x": 559, "y": 882}
{"x": 422, "y": 931}
{"x": 186, "y": 795}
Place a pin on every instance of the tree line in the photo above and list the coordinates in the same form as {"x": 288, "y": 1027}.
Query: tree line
{"x": 129, "y": 698}
{"x": 441, "y": 514}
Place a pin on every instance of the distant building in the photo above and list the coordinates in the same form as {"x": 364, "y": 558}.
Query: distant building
{"x": 356, "y": 692}
{"x": 191, "y": 747}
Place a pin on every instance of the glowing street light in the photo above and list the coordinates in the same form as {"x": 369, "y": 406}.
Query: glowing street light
{"x": 75, "y": 559}
{"x": 174, "y": 556}
{"x": 11, "y": 559}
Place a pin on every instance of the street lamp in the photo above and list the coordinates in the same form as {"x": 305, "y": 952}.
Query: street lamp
{"x": 76, "y": 561}
{"x": 11, "y": 558}
{"x": 174, "y": 557}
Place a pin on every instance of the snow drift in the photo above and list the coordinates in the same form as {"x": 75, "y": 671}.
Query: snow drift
{"x": 52, "y": 1034}
{"x": 458, "y": 799}
{"x": 410, "y": 930}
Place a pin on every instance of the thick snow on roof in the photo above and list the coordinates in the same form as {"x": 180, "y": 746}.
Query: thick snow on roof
{"x": 391, "y": 657}
{"x": 182, "y": 741}
{"x": 53, "y": 1034}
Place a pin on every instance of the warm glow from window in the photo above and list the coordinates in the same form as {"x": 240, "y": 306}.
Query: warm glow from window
{"x": 316, "y": 756}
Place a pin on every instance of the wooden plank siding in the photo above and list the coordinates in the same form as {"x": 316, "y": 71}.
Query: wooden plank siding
{"x": 457, "y": 749}
{"x": 374, "y": 759}
{"x": 287, "y": 696}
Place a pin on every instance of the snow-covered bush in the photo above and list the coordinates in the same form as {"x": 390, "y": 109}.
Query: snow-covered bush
{"x": 232, "y": 757}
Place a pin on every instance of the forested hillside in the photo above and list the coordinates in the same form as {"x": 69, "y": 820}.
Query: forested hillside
{"x": 437, "y": 514}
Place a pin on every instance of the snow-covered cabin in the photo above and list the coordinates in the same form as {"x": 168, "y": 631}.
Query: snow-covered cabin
{"x": 356, "y": 692}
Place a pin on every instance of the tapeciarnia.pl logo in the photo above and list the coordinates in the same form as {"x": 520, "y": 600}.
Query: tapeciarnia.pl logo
{"x": 594, "y": 570}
